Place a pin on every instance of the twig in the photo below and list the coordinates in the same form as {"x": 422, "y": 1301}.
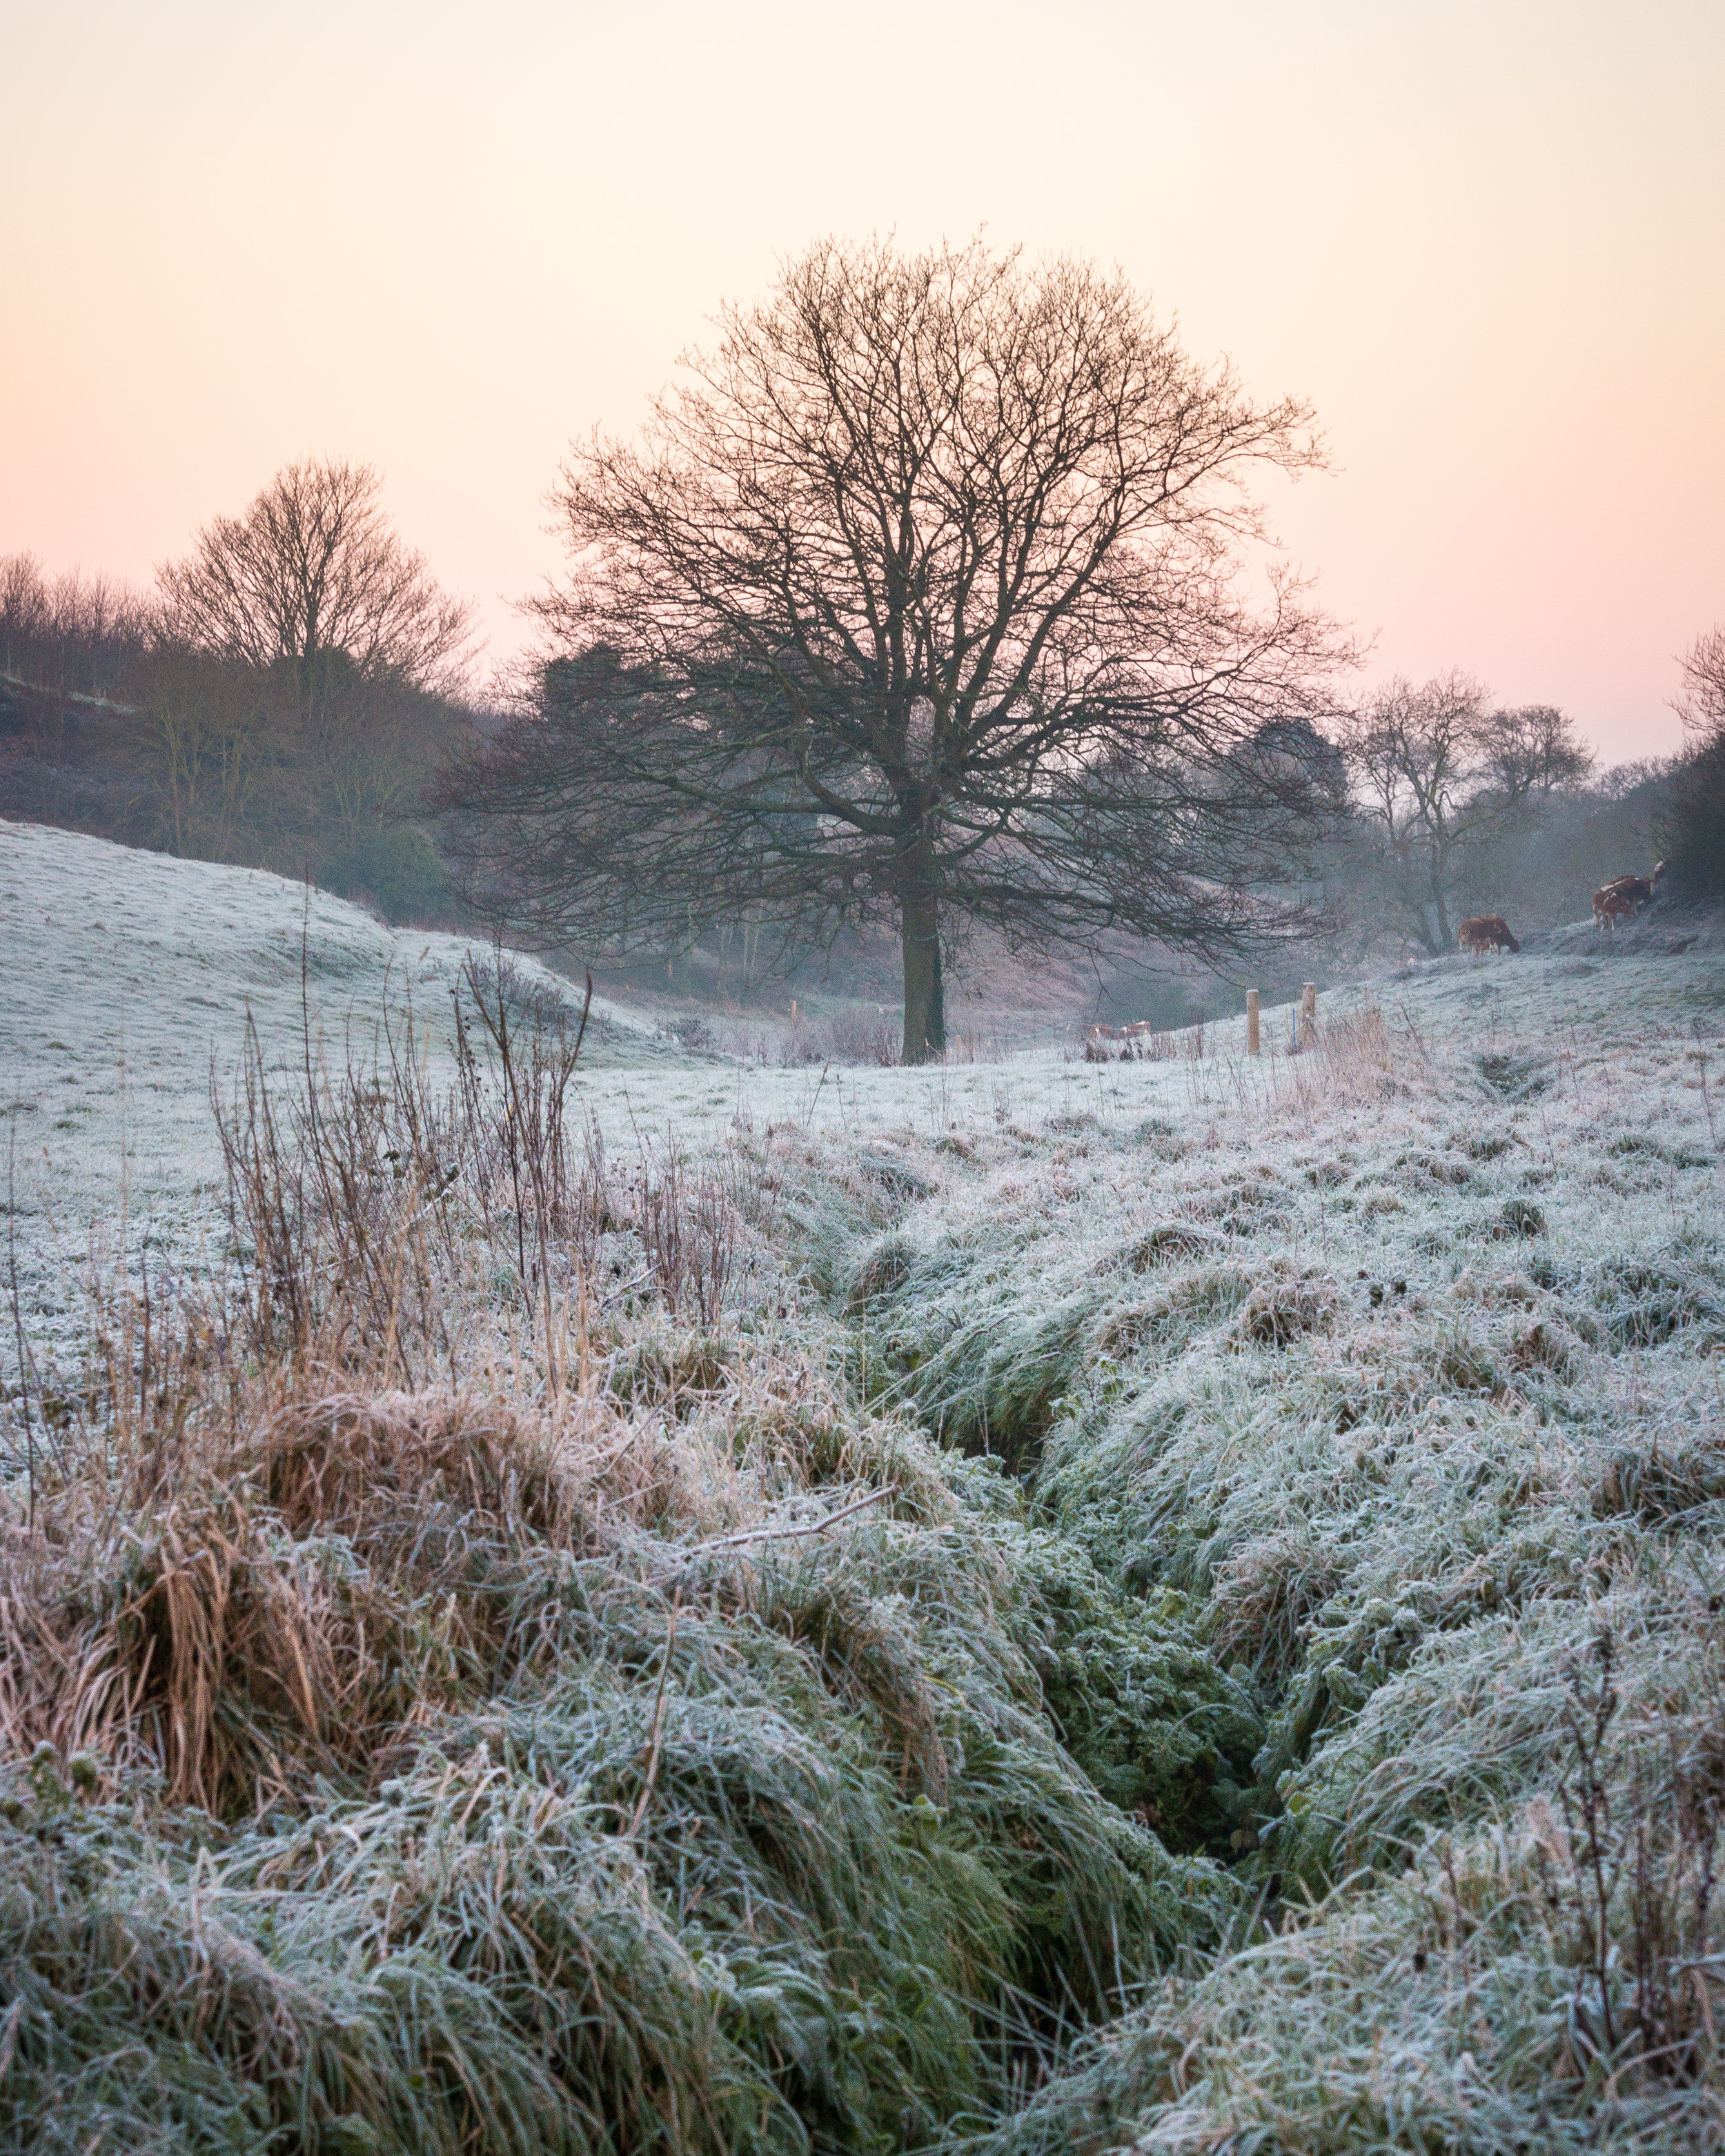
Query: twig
{"x": 586, "y": 1007}
{"x": 1706, "y": 1098}
{"x": 617, "y": 1294}
{"x": 17, "y": 1311}
{"x": 671, "y": 1641}
{"x": 814, "y": 1100}
{"x": 785, "y": 1534}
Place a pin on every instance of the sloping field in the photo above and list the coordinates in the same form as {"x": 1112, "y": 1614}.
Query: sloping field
{"x": 1171, "y": 1605}
{"x": 133, "y": 981}
{"x": 131, "y": 977}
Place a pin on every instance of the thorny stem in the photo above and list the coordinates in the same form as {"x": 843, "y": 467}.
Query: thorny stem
{"x": 1706, "y": 1098}
{"x": 17, "y": 1312}
{"x": 1595, "y": 1805}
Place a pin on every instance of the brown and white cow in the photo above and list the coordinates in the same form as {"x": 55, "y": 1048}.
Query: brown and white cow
{"x": 1487, "y": 932}
{"x": 1620, "y": 900}
{"x": 1624, "y": 895}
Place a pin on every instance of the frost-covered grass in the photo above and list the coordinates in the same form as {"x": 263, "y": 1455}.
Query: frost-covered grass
{"x": 417, "y": 1773}
{"x": 1390, "y": 1378}
{"x": 475, "y": 1677}
{"x": 1300, "y": 1590}
{"x": 131, "y": 977}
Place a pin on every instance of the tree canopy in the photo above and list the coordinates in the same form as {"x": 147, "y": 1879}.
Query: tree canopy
{"x": 312, "y": 575}
{"x": 1695, "y": 823}
{"x": 919, "y": 596}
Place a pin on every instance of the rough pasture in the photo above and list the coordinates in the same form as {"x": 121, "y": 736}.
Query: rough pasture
{"x": 1030, "y": 1606}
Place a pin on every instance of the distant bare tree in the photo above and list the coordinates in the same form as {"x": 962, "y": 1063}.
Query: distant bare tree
{"x": 1700, "y": 703}
{"x": 202, "y": 736}
{"x": 365, "y": 757}
{"x": 918, "y": 599}
{"x": 310, "y": 572}
{"x": 1439, "y": 778}
{"x": 1695, "y": 822}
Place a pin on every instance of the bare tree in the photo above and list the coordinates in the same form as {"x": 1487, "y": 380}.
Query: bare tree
{"x": 366, "y": 756}
{"x": 1694, "y": 833}
{"x": 1439, "y": 778}
{"x": 202, "y": 733}
{"x": 918, "y": 599}
{"x": 312, "y": 572}
{"x": 1700, "y": 703}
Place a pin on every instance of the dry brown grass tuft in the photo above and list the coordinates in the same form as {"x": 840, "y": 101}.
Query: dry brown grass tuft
{"x": 1277, "y": 1312}
{"x": 354, "y": 1464}
{"x": 289, "y": 1605}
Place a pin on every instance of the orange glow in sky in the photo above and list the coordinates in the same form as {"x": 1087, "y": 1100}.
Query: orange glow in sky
{"x": 1487, "y": 240}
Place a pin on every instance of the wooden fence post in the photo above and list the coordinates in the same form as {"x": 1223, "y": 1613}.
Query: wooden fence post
{"x": 1251, "y": 1021}
{"x": 1308, "y": 1014}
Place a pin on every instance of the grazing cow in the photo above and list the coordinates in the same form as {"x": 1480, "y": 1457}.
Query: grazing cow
{"x": 1489, "y": 932}
{"x": 1625, "y": 897}
{"x": 1621, "y": 899}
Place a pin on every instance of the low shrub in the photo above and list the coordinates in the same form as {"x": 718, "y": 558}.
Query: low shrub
{"x": 1517, "y": 1217}
{"x": 885, "y": 1269}
{"x": 1277, "y": 1312}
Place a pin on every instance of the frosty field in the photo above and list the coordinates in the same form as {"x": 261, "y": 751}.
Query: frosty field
{"x": 133, "y": 977}
{"x": 1030, "y": 1605}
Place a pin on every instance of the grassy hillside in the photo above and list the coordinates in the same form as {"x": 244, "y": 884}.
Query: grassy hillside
{"x": 134, "y": 980}
{"x": 1397, "y": 1383}
{"x": 1035, "y": 1606}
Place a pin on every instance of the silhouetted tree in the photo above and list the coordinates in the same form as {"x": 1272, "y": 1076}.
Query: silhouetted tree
{"x": 1439, "y": 778}
{"x": 920, "y": 600}
{"x": 1695, "y": 822}
{"x": 1700, "y": 703}
{"x": 311, "y": 574}
{"x": 73, "y": 631}
{"x": 202, "y": 739}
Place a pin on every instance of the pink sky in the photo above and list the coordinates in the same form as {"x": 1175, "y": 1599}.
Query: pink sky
{"x": 1487, "y": 242}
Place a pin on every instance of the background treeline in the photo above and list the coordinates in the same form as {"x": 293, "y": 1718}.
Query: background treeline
{"x": 282, "y": 699}
{"x": 1452, "y": 805}
{"x": 292, "y": 693}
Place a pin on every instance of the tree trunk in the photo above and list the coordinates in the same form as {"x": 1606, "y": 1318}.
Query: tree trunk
{"x": 925, "y": 1000}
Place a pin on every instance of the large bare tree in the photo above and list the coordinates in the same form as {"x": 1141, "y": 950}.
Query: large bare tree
{"x": 1441, "y": 778}
{"x": 312, "y": 575}
{"x": 919, "y": 597}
